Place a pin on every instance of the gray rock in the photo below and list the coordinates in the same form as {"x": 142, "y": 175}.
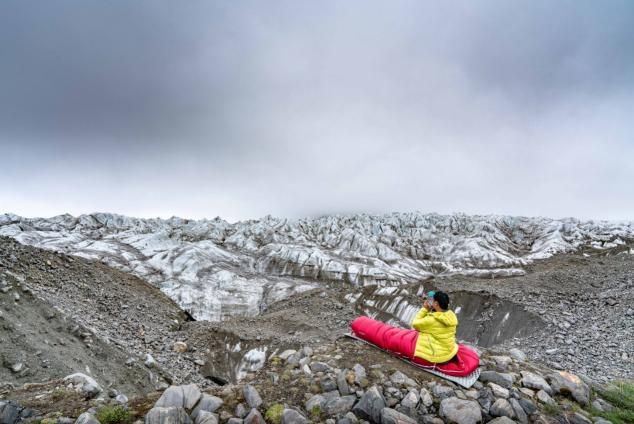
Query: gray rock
{"x": 252, "y": 396}
{"x": 306, "y": 352}
{"x": 254, "y": 417}
{"x": 520, "y": 415}
{"x": 534, "y": 381}
{"x": 544, "y": 397}
{"x": 459, "y": 411}
{"x": 502, "y": 362}
{"x": 234, "y": 420}
{"x": 486, "y": 399}
{"x": 502, "y": 379}
{"x": 241, "y": 410}
{"x": 180, "y": 397}
{"x": 442, "y": 392}
{"x": 528, "y": 406}
{"x": 359, "y": 373}
{"x": 204, "y": 417}
{"x": 11, "y": 412}
{"x": 121, "y": 398}
{"x": 570, "y": 385}
{"x": 578, "y": 418}
{"x": 207, "y": 403}
{"x": 410, "y": 400}
{"x": 502, "y": 408}
{"x": 339, "y": 405}
{"x": 425, "y": 398}
{"x": 498, "y": 391}
{"x": 328, "y": 384}
{"x": 370, "y": 405}
{"x": 149, "y": 361}
{"x": 317, "y": 366}
{"x": 169, "y": 415}
{"x": 351, "y": 418}
{"x": 291, "y": 416}
{"x": 84, "y": 383}
{"x": 315, "y": 401}
{"x": 191, "y": 396}
{"x": 86, "y": 418}
{"x": 288, "y": 352}
{"x": 602, "y": 421}
{"x": 517, "y": 354}
{"x": 342, "y": 383}
{"x": 293, "y": 359}
{"x": 390, "y": 416}
{"x": 401, "y": 379}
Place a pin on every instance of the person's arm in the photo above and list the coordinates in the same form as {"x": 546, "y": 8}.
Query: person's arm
{"x": 422, "y": 320}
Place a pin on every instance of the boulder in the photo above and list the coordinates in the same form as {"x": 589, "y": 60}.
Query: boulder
{"x": 502, "y": 408}
{"x": 520, "y": 414}
{"x": 169, "y": 415}
{"x": 517, "y": 354}
{"x": 578, "y": 418}
{"x": 459, "y": 411}
{"x": 528, "y": 406}
{"x": 318, "y": 366}
{"x": 502, "y": 379}
{"x": 342, "y": 383}
{"x": 328, "y": 384}
{"x": 442, "y": 392}
{"x": 370, "y": 405}
{"x": 252, "y": 396}
{"x": 425, "y": 398}
{"x": 339, "y": 405}
{"x": 204, "y": 417}
{"x": 535, "y": 381}
{"x": 207, "y": 403}
{"x": 85, "y": 384}
{"x": 390, "y": 416}
{"x": 291, "y": 416}
{"x": 315, "y": 401}
{"x": 569, "y": 384}
{"x": 180, "y": 397}
{"x": 502, "y": 362}
{"x": 254, "y": 417}
{"x": 498, "y": 391}
{"x": 86, "y": 418}
{"x": 401, "y": 379}
{"x": 544, "y": 397}
{"x": 359, "y": 374}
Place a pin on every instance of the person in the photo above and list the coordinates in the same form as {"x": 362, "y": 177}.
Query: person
{"x": 436, "y": 325}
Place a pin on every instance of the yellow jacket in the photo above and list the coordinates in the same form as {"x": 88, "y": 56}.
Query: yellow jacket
{"x": 437, "y": 339}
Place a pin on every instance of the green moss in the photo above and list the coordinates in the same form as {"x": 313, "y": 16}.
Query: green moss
{"x": 274, "y": 413}
{"x": 114, "y": 415}
{"x": 621, "y": 396}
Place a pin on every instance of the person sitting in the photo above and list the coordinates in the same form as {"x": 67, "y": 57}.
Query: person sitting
{"x": 436, "y": 325}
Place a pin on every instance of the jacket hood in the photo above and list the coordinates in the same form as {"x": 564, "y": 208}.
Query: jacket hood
{"x": 448, "y": 318}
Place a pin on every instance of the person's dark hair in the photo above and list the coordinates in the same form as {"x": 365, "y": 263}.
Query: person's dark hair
{"x": 443, "y": 300}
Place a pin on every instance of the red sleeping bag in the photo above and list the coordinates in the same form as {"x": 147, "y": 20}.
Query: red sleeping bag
{"x": 403, "y": 343}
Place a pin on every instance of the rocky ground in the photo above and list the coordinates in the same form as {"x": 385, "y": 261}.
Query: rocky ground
{"x": 61, "y": 315}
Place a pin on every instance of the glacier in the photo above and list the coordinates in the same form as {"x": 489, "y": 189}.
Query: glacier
{"x": 215, "y": 269}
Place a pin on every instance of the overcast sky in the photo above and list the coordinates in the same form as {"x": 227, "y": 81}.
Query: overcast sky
{"x": 297, "y": 108}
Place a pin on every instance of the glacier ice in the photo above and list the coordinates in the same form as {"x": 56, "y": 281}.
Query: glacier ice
{"x": 215, "y": 269}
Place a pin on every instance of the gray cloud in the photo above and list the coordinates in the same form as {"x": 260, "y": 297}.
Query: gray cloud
{"x": 296, "y": 108}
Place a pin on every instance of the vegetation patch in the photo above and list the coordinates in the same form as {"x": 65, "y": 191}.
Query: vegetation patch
{"x": 114, "y": 415}
{"x": 621, "y": 396}
{"x": 274, "y": 414}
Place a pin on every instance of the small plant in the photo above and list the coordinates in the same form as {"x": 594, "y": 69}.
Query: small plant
{"x": 552, "y": 409}
{"x": 114, "y": 415}
{"x": 315, "y": 412}
{"x": 274, "y": 413}
{"x": 59, "y": 393}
